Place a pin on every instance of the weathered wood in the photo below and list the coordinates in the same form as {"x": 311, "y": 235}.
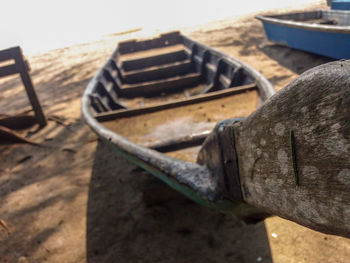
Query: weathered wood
{"x": 316, "y": 109}
{"x": 167, "y": 39}
{"x": 20, "y": 66}
{"x": 163, "y": 85}
{"x": 8, "y": 70}
{"x": 160, "y": 59}
{"x": 178, "y": 143}
{"x": 7, "y": 54}
{"x": 27, "y": 81}
{"x": 157, "y": 72}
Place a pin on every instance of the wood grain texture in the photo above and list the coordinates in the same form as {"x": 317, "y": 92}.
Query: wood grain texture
{"x": 316, "y": 108}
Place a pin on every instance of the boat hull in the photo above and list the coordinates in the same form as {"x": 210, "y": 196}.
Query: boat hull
{"x": 100, "y": 105}
{"x": 330, "y": 41}
{"x": 340, "y": 5}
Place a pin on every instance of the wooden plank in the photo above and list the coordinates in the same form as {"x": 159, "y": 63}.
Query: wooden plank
{"x": 178, "y": 103}
{"x": 178, "y": 143}
{"x": 22, "y": 68}
{"x": 10, "y": 53}
{"x": 27, "y": 81}
{"x": 8, "y": 70}
{"x": 158, "y": 86}
{"x": 167, "y": 39}
{"x": 151, "y": 52}
{"x": 219, "y": 155}
{"x": 163, "y": 58}
{"x": 157, "y": 72}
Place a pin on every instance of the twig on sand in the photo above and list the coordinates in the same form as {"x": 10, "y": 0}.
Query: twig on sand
{"x": 12, "y": 136}
{"x": 59, "y": 121}
{"x": 4, "y": 225}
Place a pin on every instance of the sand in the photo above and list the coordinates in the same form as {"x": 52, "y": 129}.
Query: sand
{"x": 139, "y": 128}
{"x": 73, "y": 200}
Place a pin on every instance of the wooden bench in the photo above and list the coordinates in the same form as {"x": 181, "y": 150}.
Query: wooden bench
{"x": 21, "y": 67}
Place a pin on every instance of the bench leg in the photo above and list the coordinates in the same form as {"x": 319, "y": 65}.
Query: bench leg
{"x": 39, "y": 114}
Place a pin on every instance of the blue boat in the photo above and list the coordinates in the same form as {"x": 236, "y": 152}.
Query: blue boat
{"x": 340, "y": 5}
{"x": 322, "y": 32}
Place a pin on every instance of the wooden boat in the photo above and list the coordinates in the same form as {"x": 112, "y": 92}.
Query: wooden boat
{"x": 156, "y": 102}
{"x": 323, "y": 32}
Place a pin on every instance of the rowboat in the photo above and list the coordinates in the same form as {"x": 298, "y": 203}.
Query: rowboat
{"x": 214, "y": 129}
{"x": 156, "y": 100}
{"x": 322, "y": 32}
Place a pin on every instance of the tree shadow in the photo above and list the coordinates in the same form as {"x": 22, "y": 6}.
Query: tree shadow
{"x": 42, "y": 187}
{"x": 58, "y": 87}
{"x": 134, "y": 217}
{"x": 39, "y": 196}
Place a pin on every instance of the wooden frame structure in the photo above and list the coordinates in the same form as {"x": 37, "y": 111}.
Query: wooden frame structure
{"x": 21, "y": 67}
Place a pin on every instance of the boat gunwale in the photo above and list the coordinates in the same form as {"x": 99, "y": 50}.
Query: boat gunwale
{"x": 160, "y": 165}
{"x": 273, "y": 19}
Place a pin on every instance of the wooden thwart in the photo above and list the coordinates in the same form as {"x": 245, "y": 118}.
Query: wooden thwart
{"x": 178, "y": 143}
{"x": 159, "y": 59}
{"x": 163, "y": 85}
{"x": 157, "y": 72}
{"x": 166, "y": 39}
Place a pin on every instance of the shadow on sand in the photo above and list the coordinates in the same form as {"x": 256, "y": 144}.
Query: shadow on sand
{"x": 296, "y": 60}
{"x": 137, "y": 218}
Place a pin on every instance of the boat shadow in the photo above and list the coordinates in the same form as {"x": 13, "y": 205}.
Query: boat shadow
{"x": 134, "y": 217}
{"x": 295, "y": 60}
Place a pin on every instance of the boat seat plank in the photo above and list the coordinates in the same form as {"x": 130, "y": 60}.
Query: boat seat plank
{"x": 157, "y": 59}
{"x": 157, "y": 72}
{"x": 151, "y": 52}
{"x": 135, "y": 45}
{"x": 178, "y": 143}
{"x": 164, "y": 85}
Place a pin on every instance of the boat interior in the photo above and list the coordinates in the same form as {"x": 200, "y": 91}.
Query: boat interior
{"x": 322, "y": 17}
{"x": 169, "y": 92}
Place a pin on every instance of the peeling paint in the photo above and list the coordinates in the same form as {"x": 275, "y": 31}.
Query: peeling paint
{"x": 262, "y": 142}
{"x": 344, "y": 176}
{"x": 279, "y": 129}
{"x": 282, "y": 157}
{"x": 258, "y": 151}
{"x": 337, "y": 145}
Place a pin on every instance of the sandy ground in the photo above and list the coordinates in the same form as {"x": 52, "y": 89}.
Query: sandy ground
{"x": 72, "y": 200}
